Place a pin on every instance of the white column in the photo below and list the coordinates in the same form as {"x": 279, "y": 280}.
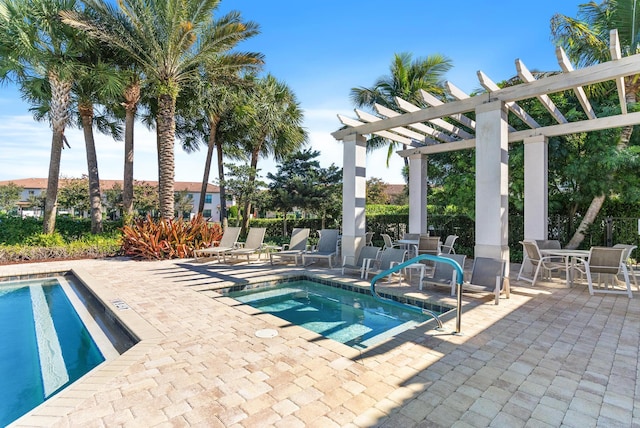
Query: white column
{"x": 536, "y": 189}
{"x": 492, "y": 181}
{"x": 354, "y": 188}
{"x": 418, "y": 194}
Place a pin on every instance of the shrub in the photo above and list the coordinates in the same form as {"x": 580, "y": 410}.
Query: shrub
{"x": 161, "y": 239}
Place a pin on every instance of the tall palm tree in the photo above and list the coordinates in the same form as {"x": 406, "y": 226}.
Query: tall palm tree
{"x": 405, "y": 80}
{"x": 35, "y": 44}
{"x": 586, "y": 41}
{"x": 169, "y": 41}
{"x": 276, "y": 126}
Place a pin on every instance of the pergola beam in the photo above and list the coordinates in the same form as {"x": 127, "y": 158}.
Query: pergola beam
{"x": 490, "y": 86}
{"x": 433, "y": 101}
{"x": 384, "y": 134}
{"x": 368, "y": 117}
{"x": 623, "y": 67}
{"x": 527, "y": 76}
{"x": 408, "y": 107}
{"x": 548, "y": 131}
{"x": 439, "y": 135}
{"x": 566, "y": 67}
{"x": 616, "y": 54}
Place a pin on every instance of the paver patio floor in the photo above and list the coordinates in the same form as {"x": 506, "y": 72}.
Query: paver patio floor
{"x": 549, "y": 356}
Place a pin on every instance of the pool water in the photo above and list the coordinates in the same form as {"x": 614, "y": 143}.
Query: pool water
{"x": 44, "y": 345}
{"x": 355, "y": 319}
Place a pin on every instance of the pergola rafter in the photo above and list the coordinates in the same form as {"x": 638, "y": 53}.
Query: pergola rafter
{"x": 427, "y": 130}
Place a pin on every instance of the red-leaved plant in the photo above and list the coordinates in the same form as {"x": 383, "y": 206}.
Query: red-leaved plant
{"x": 161, "y": 239}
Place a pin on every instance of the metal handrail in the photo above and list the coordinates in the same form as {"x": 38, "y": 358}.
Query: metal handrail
{"x": 396, "y": 268}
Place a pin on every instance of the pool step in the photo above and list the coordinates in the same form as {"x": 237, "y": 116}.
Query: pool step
{"x": 54, "y": 370}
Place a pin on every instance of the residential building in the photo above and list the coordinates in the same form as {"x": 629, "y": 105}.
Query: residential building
{"x": 36, "y": 187}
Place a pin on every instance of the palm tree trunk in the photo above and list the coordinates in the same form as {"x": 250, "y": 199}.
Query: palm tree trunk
{"x": 86, "y": 115}
{"x": 223, "y": 193}
{"x": 166, "y": 127}
{"x": 60, "y": 99}
{"x": 131, "y": 96}
{"x": 213, "y": 125}
{"x": 252, "y": 178}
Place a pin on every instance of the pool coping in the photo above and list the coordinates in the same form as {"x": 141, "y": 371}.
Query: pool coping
{"x": 58, "y": 406}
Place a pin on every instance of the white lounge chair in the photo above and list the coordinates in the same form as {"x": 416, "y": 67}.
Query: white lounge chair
{"x": 366, "y": 252}
{"x": 327, "y": 247}
{"x": 295, "y": 248}
{"x": 254, "y": 244}
{"x": 388, "y": 259}
{"x": 487, "y": 276}
{"x": 228, "y": 242}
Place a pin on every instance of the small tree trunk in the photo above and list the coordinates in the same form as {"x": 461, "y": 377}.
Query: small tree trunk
{"x": 131, "y": 96}
{"x": 213, "y": 124}
{"x": 223, "y": 195}
{"x": 589, "y": 217}
{"x": 86, "y": 114}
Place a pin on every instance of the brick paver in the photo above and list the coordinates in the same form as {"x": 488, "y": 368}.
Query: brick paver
{"x": 549, "y": 356}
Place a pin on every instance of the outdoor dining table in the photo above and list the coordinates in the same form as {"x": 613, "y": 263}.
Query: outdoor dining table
{"x": 409, "y": 244}
{"x": 569, "y": 257}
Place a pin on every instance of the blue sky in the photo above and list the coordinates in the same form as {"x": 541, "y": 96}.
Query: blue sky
{"x": 321, "y": 49}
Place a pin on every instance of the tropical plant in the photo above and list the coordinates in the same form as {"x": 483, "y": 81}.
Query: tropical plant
{"x": 35, "y": 44}
{"x": 405, "y": 80}
{"x": 243, "y": 182}
{"x": 167, "y": 238}
{"x": 169, "y": 41}
{"x": 586, "y": 41}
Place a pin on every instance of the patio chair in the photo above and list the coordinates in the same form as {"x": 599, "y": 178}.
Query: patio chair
{"x": 366, "y": 252}
{"x": 295, "y": 248}
{"x": 447, "y": 247}
{"x": 368, "y": 238}
{"x": 327, "y": 247}
{"x": 546, "y": 264}
{"x": 627, "y": 259}
{"x": 444, "y": 274}
{"x": 607, "y": 262}
{"x": 228, "y": 242}
{"x": 429, "y": 245}
{"x": 254, "y": 244}
{"x": 487, "y": 275}
{"x": 388, "y": 242}
{"x": 387, "y": 259}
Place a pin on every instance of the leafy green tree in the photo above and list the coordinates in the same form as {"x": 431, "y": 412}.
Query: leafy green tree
{"x": 246, "y": 191}
{"x": 74, "y": 195}
{"x": 145, "y": 198}
{"x": 294, "y": 185}
{"x": 376, "y": 191}
{"x": 276, "y": 125}
{"x": 169, "y": 41}
{"x": 183, "y": 203}
{"x": 10, "y": 196}
{"x": 405, "y": 80}
{"x": 586, "y": 41}
{"x": 113, "y": 200}
{"x": 35, "y": 44}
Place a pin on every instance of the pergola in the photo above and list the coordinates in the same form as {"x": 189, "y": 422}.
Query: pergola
{"x": 426, "y": 131}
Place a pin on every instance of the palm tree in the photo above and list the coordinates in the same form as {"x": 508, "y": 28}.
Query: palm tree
{"x": 586, "y": 41}
{"x": 35, "y": 44}
{"x": 276, "y": 126}
{"x": 169, "y": 41}
{"x": 407, "y": 77}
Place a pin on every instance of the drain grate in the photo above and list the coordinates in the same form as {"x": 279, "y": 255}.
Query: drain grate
{"x": 266, "y": 333}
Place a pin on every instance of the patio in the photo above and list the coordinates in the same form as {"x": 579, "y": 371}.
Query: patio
{"x": 549, "y": 356}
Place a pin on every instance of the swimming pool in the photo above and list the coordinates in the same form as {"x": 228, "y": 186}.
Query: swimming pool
{"x": 44, "y": 343}
{"x": 353, "y": 318}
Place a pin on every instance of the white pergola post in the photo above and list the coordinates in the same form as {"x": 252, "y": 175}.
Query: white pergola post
{"x": 418, "y": 194}
{"x": 492, "y": 181}
{"x": 354, "y": 188}
{"x": 536, "y": 168}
